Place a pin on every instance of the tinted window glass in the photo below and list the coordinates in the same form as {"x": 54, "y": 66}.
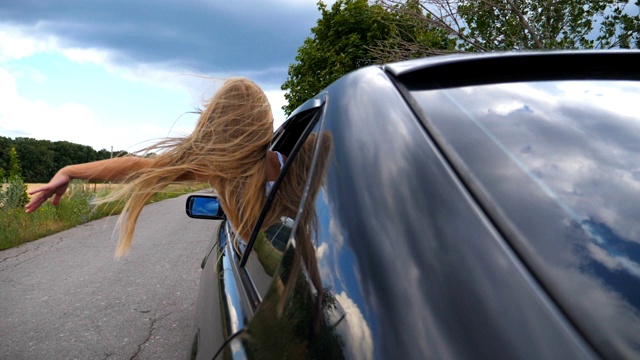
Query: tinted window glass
{"x": 559, "y": 162}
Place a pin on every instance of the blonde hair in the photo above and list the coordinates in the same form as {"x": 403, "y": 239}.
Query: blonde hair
{"x": 227, "y": 148}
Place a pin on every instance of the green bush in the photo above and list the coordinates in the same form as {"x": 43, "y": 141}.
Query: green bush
{"x": 15, "y": 194}
{"x": 75, "y": 208}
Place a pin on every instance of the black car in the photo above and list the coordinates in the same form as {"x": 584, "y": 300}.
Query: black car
{"x": 454, "y": 207}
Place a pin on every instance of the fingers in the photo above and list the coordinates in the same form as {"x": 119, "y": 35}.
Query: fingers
{"x": 56, "y": 199}
{"x": 38, "y": 198}
{"x": 40, "y": 189}
{"x": 56, "y": 188}
{"x": 35, "y": 202}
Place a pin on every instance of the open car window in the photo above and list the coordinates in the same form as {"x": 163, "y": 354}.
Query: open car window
{"x": 295, "y": 304}
{"x": 272, "y": 232}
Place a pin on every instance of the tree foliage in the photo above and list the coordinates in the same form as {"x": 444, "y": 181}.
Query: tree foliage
{"x": 14, "y": 163}
{"x": 355, "y": 33}
{"x": 410, "y": 37}
{"x": 37, "y": 161}
{"x": 337, "y": 46}
{"x": 503, "y": 25}
{"x": 342, "y": 41}
{"x": 15, "y": 193}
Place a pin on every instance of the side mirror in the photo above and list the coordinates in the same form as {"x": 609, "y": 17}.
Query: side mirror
{"x": 204, "y": 207}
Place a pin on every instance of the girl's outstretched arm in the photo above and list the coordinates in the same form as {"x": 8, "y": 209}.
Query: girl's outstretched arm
{"x": 103, "y": 170}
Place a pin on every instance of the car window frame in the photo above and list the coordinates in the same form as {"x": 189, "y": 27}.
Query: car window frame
{"x": 317, "y": 111}
{"x": 314, "y": 108}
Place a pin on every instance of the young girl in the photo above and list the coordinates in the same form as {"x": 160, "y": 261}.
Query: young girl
{"x": 229, "y": 149}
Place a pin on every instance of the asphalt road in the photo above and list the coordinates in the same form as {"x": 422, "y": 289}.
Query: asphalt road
{"x": 66, "y": 296}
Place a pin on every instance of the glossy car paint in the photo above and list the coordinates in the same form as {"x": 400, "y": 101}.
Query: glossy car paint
{"x": 429, "y": 275}
{"x": 417, "y": 259}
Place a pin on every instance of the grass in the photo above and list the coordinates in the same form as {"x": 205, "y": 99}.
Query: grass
{"x": 75, "y": 208}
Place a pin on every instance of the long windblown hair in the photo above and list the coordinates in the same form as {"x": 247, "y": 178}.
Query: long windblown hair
{"x": 227, "y": 149}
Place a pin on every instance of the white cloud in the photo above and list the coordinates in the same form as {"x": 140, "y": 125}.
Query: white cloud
{"x": 616, "y": 98}
{"x": 277, "y": 101}
{"x": 70, "y": 121}
{"x": 507, "y": 107}
{"x": 22, "y": 115}
{"x": 35, "y": 118}
{"x": 82, "y": 56}
{"x": 7, "y": 88}
{"x": 613, "y": 263}
{"x": 357, "y": 333}
{"x": 321, "y": 251}
{"x": 14, "y": 44}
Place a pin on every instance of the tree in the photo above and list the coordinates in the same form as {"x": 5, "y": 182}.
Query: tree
{"x": 14, "y": 164}
{"x": 410, "y": 37}
{"x": 103, "y": 154}
{"x": 36, "y": 158}
{"x": 502, "y": 25}
{"x": 338, "y": 45}
{"x": 5, "y": 147}
{"x": 343, "y": 40}
{"x": 15, "y": 195}
{"x": 40, "y": 159}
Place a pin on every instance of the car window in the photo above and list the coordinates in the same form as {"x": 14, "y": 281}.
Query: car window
{"x": 274, "y": 229}
{"x": 556, "y": 165}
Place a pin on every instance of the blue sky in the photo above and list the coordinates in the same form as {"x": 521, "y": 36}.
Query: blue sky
{"x": 125, "y": 73}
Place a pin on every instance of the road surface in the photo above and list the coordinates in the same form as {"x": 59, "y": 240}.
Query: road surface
{"x": 66, "y": 296}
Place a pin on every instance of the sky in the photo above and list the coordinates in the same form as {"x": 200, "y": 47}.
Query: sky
{"x": 123, "y": 74}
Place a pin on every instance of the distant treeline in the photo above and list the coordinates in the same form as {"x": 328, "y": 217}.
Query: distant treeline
{"x": 39, "y": 160}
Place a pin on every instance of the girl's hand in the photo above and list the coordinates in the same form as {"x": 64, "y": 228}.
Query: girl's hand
{"x": 56, "y": 188}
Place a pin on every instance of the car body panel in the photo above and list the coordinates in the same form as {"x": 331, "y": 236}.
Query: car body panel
{"x": 419, "y": 250}
{"x": 460, "y": 277}
{"x": 208, "y": 318}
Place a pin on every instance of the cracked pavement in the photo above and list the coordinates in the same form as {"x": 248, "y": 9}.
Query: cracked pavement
{"x": 66, "y": 296}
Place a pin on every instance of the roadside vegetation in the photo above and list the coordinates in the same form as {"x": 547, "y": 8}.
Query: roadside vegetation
{"x": 75, "y": 208}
